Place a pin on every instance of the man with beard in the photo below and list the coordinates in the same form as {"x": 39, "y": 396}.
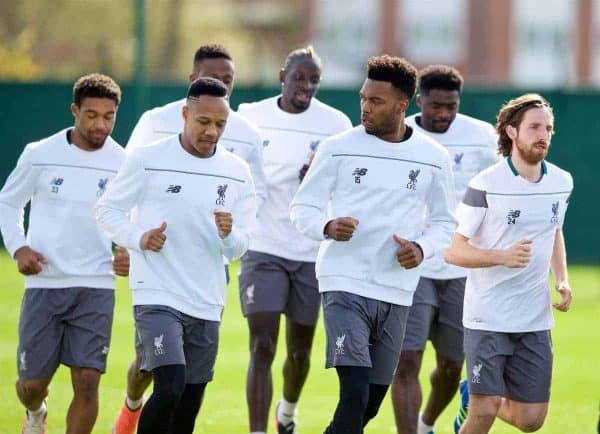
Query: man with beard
{"x": 509, "y": 236}
{"x": 185, "y": 193}
{"x": 278, "y": 271}
{"x": 67, "y": 309}
{"x": 380, "y": 198}
{"x": 436, "y": 312}
{"x": 240, "y": 137}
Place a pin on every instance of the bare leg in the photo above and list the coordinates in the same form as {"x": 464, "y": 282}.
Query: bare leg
{"x": 444, "y": 384}
{"x": 406, "y": 392}
{"x": 84, "y": 406}
{"x": 299, "y": 339}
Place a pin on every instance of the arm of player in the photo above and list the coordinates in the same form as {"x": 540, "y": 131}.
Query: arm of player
{"x": 464, "y": 254}
{"x": 243, "y": 215}
{"x": 142, "y": 134}
{"x": 558, "y": 264}
{"x": 15, "y": 194}
{"x": 122, "y": 194}
{"x": 441, "y": 202}
{"x": 308, "y": 209}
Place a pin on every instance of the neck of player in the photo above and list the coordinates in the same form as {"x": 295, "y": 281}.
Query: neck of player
{"x": 530, "y": 171}
{"x": 396, "y": 135}
{"x": 78, "y": 140}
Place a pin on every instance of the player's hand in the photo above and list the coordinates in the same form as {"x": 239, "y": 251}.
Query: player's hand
{"x": 408, "y": 254}
{"x": 224, "y": 222}
{"x": 565, "y": 293}
{"x": 154, "y": 239}
{"x": 29, "y": 261}
{"x": 305, "y": 167}
{"x": 518, "y": 255}
{"x": 121, "y": 261}
{"x": 341, "y": 229}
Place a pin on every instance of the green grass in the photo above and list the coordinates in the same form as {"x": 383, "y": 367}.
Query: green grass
{"x": 573, "y": 405}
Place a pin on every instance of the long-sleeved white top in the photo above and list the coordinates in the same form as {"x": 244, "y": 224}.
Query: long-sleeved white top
{"x": 290, "y": 140}
{"x": 401, "y": 188}
{"x": 164, "y": 183}
{"x": 63, "y": 182}
{"x": 240, "y": 137}
{"x": 472, "y": 145}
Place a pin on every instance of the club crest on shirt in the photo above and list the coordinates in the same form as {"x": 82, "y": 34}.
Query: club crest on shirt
{"x": 358, "y": 172}
{"x": 221, "y": 190}
{"x": 412, "y": 179}
{"x": 102, "y": 183}
{"x": 513, "y": 215}
{"x": 554, "y": 218}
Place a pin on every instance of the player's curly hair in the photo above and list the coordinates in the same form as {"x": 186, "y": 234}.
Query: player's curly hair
{"x": 395, "y": 70}
{"x": 96, "y": 86}
{"x": 307, "y": 52}
{"x": 441, "y": 77}
{"x": 512, "y": 114}
{"x": 206, "y": 86}
{"x": 211, "y": 51}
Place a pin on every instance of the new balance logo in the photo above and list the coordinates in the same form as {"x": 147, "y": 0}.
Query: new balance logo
{"x": 159, "y": 349}
{"x": 339, "y": 345}
{"x": 266, "y": 143}
{"x": 314, "y": 145}
{"x": 412, "y": 179}
{"x": 221, "y": 190}
{"x": 173, "y": 189}
{"x": 101, "y": 186}
{"x": 55, "y": 183}
{"x": 105, "y": 350}
{"x": 476, "y": 378}
{"x": 554, "y": 218}
{"x": 358, "y": 172}
{"x": 512, "y": 216}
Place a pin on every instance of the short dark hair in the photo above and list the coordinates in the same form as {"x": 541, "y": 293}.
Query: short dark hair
{"x": 395, "y": 70}
{"x": 512, "y": 114}
{"x": 211, "y": 51}
{"x": 206, "y": 86}
{"x": 96, "y": 86}
{"x": 442, "y": 77}
{"x": 307, "y": 52}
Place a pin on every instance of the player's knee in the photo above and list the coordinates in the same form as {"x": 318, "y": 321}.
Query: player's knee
{"x": 408, "y": 366}
{"x": 263, "y": 348}
{"x": 300, "y": 357}
{"x": 86, "y": 386}
{"x": 31, "y": 390}
{"x": 451, "y": 370}
{"x": 532, "y": 423}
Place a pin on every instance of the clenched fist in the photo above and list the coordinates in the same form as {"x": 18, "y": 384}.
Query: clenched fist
{"x": 518, "y": 255}
{"x": 121, "y": 261}
{"x": 224, "y": 222}
{"x": 341, "y": 229}
{"x": 408, "y": 254}
{"x": 29, "y": 261}
{"x": 154, "y": 239}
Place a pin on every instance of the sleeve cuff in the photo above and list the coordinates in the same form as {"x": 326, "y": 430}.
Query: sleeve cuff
{"x": 134, "y": 240}
{"x": 426, "y": 248}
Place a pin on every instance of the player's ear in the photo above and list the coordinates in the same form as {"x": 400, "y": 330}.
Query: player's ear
{"x": 281, "y": 75}
{"x": 74, "y": 110}
{"x": 418, "y": 100}
{"x": 511, "y": 132}
{"x": 185, "y": 111}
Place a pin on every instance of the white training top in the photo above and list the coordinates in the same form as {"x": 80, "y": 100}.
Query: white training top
{"x": 473, "y": 147}
{"x": 164, "y": 183}
{"x": 240, "y": 137}
{"x": 63, "y": 182}
{"x": 290, "y": 140}
{"x": 401, "y": 188}
{"x": 499, "y": 209}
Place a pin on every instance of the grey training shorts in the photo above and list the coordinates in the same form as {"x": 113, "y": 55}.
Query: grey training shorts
{"x": 517, "y": 366}
{"x": 71, "y": 326}
{"x": 270, "y": 283}
{"x": 364, "y": 332}
{"x": 166, "y": 336}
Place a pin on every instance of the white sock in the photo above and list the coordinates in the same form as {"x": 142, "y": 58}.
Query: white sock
{"x": 422, "y": 427}
{"x": 286, "y": 411}
{"x": 134, "y": 404}
{"x": 39, "y": 413}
